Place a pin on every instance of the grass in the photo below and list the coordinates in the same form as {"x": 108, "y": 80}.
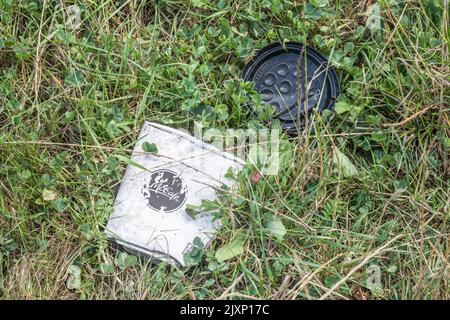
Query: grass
{"x": 72, "y": 100}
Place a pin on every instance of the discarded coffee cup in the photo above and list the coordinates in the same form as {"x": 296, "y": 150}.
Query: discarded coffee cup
{"x": 149, "y": 217}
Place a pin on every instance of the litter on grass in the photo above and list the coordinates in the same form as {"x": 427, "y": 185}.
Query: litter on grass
{"x": 293, "y": 79}
{"x": 168, "y": 170}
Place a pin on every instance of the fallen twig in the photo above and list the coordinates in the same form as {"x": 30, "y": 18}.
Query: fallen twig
{"x": 410, "y": 118}
{"x": 359, "y": 266}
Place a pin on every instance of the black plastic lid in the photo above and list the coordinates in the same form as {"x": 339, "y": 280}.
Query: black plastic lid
{"x": 279, "y": 76}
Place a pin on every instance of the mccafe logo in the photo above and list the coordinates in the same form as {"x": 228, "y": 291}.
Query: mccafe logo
{"x": 165, "y": 191}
